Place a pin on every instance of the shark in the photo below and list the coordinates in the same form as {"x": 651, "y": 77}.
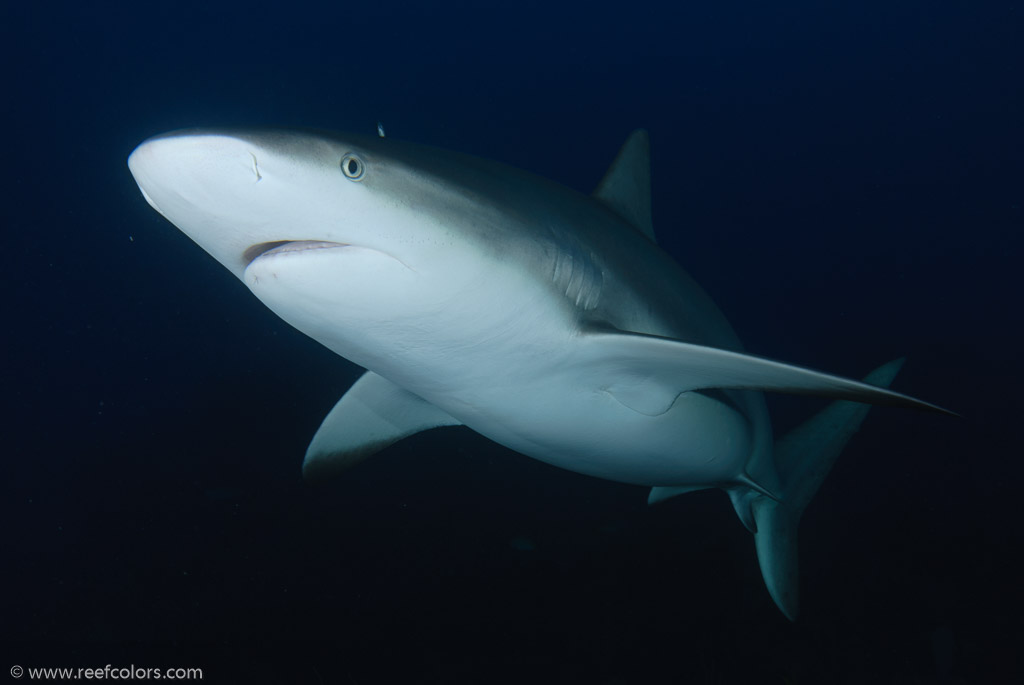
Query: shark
{"x": 476, "y": 294}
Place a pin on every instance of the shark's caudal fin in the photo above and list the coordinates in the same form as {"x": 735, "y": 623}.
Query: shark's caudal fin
{"x": 803, "y": 459}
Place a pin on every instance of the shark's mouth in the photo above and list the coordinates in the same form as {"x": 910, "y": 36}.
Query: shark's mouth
{"x": 281, "y": 246}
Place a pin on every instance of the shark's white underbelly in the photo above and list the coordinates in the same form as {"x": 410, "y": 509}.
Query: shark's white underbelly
{"x": 699, "y": 440}
{"x": 513, "y": 373}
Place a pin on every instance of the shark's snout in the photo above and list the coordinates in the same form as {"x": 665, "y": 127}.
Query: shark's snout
{"x": 139, "y": 162}
{"x": 208, "y": 184}
{"x": 188, "y": 157}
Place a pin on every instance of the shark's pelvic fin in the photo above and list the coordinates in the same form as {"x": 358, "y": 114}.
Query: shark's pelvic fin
{"x": 626, "y": 186}
{"x": 647, "y": 373}
{"x": 804, "y": 457}
{"x": 740, "y": 494}
{"x": 373, "y": 414}
{"x": 660, "y": 493}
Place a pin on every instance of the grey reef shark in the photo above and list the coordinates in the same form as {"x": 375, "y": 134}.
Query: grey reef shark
{"x": 480, "y": 295}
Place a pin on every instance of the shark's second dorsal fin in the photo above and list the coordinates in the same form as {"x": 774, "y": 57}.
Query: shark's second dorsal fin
{"x": 626, "y": 186}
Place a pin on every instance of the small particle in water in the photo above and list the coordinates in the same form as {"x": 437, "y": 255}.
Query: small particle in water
{"x": 380, "y": 129}
{"x": 523, "y": 543}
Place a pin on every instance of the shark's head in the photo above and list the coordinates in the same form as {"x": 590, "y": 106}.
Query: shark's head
{"x": 352, "y": 233}
{"x": 242, "y": 195}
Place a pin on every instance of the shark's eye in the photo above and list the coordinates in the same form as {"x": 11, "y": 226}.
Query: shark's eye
{"x": 352, "y": 167}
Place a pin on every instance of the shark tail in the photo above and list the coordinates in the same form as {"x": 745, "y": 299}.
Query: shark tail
{"x": 803, "y": 459}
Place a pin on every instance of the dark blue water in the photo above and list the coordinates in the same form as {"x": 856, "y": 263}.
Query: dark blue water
{"x": 845, "y": 179}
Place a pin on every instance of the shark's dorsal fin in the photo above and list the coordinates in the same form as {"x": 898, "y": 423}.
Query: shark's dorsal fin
{"x": 373, "y": 414}
{"x": 626, "y": 186}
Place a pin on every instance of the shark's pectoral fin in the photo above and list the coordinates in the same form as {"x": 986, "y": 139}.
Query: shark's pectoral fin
{"x": 647, "y": 373}
{"x": 373, "y": 414}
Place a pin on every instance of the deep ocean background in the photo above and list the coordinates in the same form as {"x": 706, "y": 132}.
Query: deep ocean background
{"x": 845, "y": 178}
